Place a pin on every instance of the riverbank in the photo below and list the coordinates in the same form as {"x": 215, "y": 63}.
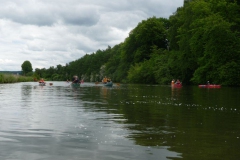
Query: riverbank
{"x": 11, "y": 78}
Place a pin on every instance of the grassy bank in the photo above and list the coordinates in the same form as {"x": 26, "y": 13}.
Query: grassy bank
{"x": 10, "y": 78}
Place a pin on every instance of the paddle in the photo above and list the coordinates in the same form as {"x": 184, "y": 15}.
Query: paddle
{"x": 71, "y": 83}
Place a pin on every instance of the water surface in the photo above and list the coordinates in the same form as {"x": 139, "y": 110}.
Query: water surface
{"x": 121, "y": 122}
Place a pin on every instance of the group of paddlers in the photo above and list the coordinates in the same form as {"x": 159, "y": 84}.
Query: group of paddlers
{"x": 176, "y": 82}
{"x": 105, "y": 80}
{"x": 75, "y": 79}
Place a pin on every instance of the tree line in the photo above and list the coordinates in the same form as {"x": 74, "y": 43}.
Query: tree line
{"x": 196, "y": 44}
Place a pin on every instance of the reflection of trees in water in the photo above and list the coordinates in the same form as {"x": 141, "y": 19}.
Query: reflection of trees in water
{"x": 187, "y": 120}
{"x": 187, "y": 124}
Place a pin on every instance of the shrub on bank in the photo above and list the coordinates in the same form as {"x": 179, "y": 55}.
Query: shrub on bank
{"x": 10, "y": 78}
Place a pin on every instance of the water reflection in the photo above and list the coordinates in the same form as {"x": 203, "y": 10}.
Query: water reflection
{"x": 120, "y": 122}
{"x": 178, "y": 120}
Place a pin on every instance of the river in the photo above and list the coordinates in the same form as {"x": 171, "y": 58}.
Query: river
{"x": 123, "y": 122}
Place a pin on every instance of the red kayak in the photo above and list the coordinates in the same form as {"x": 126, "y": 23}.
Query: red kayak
{"x": 209, "y": 86}
{"x": 178, "y": 85}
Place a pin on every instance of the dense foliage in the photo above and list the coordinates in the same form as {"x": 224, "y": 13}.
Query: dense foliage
{"x": 198, "y": 43}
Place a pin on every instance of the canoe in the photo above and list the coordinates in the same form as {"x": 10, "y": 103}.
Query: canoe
{"x": 177, "y": 85}
{"x": 42, "y": 84}
{"x": 75, "y": 84}
{"x": 109, "y": 84}
{"x": 209, "y": 86}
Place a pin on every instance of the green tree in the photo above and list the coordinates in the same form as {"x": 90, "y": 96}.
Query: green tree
{"x": 26, "y": 67}
{"x": 113, "y": 68}
{"x": 219, "y": 40}
{"x": 137, "y": 48}
{"x": 148, "y": 33}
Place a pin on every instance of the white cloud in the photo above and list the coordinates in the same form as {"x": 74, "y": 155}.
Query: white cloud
{"x": 48, "y": 33}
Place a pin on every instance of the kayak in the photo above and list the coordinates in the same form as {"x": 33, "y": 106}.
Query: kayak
{"x": 209, "y": 86}
{"x": 179, "y": 85}
{"x": 42, "y": 84}
{"x": 109, "y": 84}
{"x": 75, "y": 84}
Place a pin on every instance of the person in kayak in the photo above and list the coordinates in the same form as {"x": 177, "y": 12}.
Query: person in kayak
{"x": 41, "y": 80}
{"x": 178, "y": 82}
{"x": 75, "y": 79}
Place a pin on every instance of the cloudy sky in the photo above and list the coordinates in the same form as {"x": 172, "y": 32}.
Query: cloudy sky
{"x": 52, "y": 32}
